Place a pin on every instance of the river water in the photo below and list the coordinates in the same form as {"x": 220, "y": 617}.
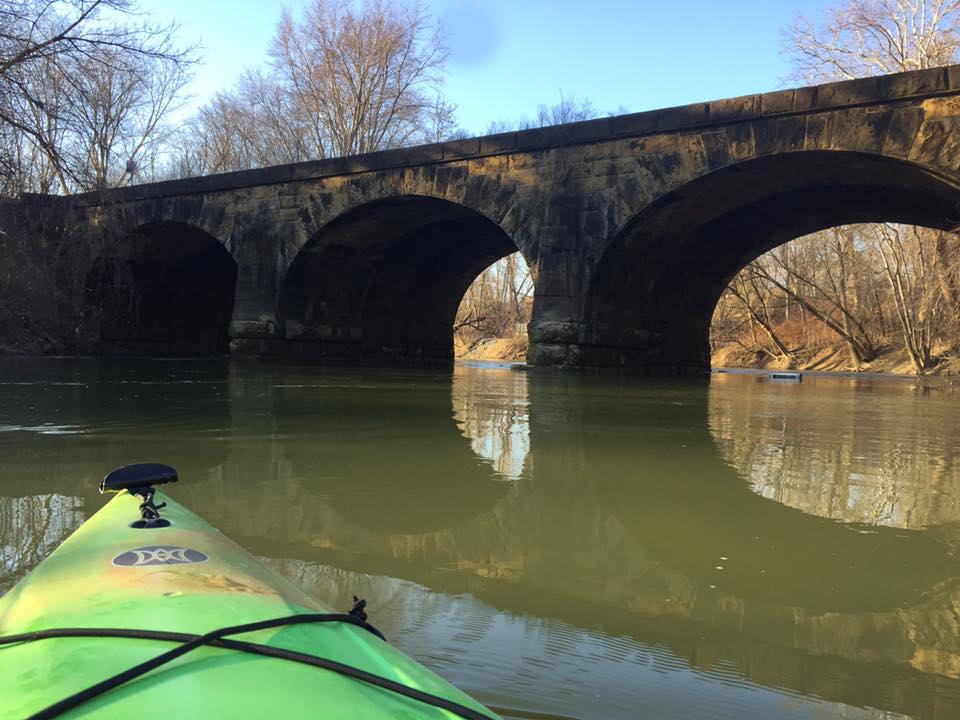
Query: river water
{"x": 558, "y": 545}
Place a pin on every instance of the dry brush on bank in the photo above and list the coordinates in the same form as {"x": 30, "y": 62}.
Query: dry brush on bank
{"x": 861, "y": 292}
{"x": 491, "y": 322}
{"x": 52, "y": 299}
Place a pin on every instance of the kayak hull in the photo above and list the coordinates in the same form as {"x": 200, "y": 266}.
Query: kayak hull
{"x": 188, "y": 578}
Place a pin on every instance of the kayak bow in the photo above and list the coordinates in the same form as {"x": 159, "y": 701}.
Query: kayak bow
{"x": 166, "y": 617}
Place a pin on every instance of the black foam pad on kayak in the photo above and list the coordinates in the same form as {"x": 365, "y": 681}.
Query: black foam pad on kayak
{"x": 138, "y": 475}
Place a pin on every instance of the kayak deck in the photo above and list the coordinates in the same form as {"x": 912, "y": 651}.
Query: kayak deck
{"x": 190, "y": 579}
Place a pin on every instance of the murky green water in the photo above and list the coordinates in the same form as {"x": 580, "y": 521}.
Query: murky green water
{"x": 560, "y": 546}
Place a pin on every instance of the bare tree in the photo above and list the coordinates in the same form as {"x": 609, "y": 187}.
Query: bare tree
{"x": 343, "y": 79}
{"x": 84, "y": 89}
{"x": 498, "y": 303}
{"x": 365, "y": 77}
{"x": 859, "y": 38}
{"x": 115, "y": 110}
{"x": 441, "y": 121}
{"x": 754, "y": 296}
{"x": 827, "y": 274}
{"x": 568, "y": 110}
{"x": 85, "y": 85}
{"x": 255, "y": 124}
{"x": 908, "y": 254}
{"x": 34, "y": 141}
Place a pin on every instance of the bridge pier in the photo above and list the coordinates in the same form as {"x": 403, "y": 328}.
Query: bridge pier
{"x": 259, "y": 245}
{"x": 572, "y": 230}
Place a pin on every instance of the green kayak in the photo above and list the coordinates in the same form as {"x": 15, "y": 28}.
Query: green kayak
{"x": 165, "y": 617}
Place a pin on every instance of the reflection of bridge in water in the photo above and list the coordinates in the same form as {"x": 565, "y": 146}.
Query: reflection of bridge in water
{"x": 875, "y": 463}
{"x": 569, "y": 498}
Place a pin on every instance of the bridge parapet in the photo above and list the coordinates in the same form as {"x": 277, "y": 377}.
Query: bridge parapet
{"x": 862, "y": 92}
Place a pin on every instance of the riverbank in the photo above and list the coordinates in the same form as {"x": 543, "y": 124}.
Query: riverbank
{"x": 728, "y": 356}
{"x": 508, "y": 349}
{"x": 893, "y": 361}
{"x": 836, "y": 359}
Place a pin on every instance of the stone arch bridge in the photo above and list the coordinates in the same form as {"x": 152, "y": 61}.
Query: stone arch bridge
{"x": 633, "y": 225}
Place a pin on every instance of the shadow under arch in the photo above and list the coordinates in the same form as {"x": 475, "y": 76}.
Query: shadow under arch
{"x": 651, "y": 300}
{"x": 386, "y": 278}
{"x": 164, "y": 288}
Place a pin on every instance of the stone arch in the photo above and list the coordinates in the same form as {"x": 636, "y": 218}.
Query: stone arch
{"x": 385, "y": 278}
{"x": 163, "y": 288}
{"x": 204, "y": 213}
{"x": 488, "y": 190}
{"x": 652, "y": 295}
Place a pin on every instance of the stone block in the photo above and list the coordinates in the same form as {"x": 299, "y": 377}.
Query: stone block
{"x": 775, "y": 103}
{"x": 294, "y": 330}
{"x": 634, "y": 124}
{"x": 595, "y": 223}
{"x": 424, "y": 154}
{"x": 733, "y": 109}
{"x": 559, "y": 277}
{"x": 765, "y": 136}
{"x": 587, "y": 131}
{"x": 554, "y": 308}
{"x": 691, "y": 155}
{"x": 791, "y": 133}
{"x": 556, "y": 332}
{"x": 860, "y": 129}
{"x": 447, "y": 176}
{"x": 502, "y": 142}
{"x": 461, "y": 148}
{"x": 350, "y": 165}
{"x": 804, "y": 98}
{"x": 902, "y": 131}
{"x": 545, "y": 137}
{"x": 911, "y": 84}
{"x": 929, "y": 141}
{"x": 948, "y": 158}
{"x": 848, "y": 92}
{"x": 683, "y": 116}
{"x": 548, "y": 355}
{"x": 385, "y": 159}
{"x": 307, "y": 170}
{"x": 742, "y": 144}
{"x": 254, "y": 329}
{"x": 817, "y": 135}
{"x": 716, "y": 145}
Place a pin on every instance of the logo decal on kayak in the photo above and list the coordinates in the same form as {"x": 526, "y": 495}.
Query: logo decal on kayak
{"x": 159, "y": 555}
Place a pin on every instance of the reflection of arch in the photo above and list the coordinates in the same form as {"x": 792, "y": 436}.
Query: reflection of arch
{"x": 692, "y": 513}
{"x": 386, "y": 277}
{"x": 652, "y": 297}
{"x": 165, "y": 288}
{"x": 490, "y": 406}
{"x": 858, "y": 462}
{"x": 347, "y": 454}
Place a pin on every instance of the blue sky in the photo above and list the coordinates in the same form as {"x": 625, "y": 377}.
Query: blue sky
{"x": 512, "y": 55}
